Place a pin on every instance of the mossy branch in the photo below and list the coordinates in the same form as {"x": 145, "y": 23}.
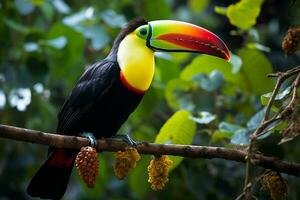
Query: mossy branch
{"x": 193, "y": 151}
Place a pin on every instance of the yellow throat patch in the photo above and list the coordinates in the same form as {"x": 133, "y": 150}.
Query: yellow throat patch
{"x": 136, "y": 61}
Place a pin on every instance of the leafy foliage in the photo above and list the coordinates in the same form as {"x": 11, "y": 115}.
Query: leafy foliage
{"x": 243, "y": 14}
{"x": 46, "y": 45}
{"x": 179, "y": 129}
{"x": 254, "y": 62}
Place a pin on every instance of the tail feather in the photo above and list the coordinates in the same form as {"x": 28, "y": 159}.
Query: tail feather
{"x": 51, "y": 180}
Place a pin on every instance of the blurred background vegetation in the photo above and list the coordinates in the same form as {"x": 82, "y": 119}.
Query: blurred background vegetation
{"x": 46, "y": 44}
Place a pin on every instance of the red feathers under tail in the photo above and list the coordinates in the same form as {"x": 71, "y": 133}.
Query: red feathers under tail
{"x": 51, "y": 180}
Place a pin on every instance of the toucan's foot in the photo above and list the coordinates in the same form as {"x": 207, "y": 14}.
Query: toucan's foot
{"x": 126, "y": 139}
{"x": 91, "y": 137}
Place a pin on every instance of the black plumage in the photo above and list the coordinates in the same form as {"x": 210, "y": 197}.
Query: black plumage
{"x": 100, "y": 104}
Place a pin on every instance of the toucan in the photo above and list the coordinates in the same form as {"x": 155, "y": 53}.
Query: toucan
{"x": 110, "y": 90}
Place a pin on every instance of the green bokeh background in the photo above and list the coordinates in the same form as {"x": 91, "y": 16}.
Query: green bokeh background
{"x": 46, "y": 45}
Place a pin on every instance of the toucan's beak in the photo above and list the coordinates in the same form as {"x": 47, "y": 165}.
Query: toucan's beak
{"x": 170, "y": 35}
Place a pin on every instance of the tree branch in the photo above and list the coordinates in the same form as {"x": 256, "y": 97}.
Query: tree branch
{"x": 207, "y": 152}
{"x": 252, "y": 151}
{"x": 281, "y": 77}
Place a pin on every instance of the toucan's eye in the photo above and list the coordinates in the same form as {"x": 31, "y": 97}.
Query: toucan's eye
{"x": 143, "y": 31}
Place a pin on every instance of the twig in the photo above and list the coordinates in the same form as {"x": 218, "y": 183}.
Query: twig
{"x": 266, "y": 122}
{"x": 249, "y": 169}
{"x": 192, "y": 151}
{"x": 290, "y": 72}
{"x": 281, "y": 77}
{"x": 261, "y": 129}
{"x": 241, "y": 196}
{"x": 271, "y": 101}
{"x": 294, "y": 94}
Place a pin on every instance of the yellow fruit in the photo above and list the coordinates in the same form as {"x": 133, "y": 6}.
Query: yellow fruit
{"x": 125, "y": 162}
{"x": 158, "y": 171}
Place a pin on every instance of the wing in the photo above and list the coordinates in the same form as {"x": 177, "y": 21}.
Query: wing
{"x": 92, "y": 86}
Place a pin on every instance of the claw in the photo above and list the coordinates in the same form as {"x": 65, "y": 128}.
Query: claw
{"x": 91, "y": 137}
{"x": 126, "y": 139}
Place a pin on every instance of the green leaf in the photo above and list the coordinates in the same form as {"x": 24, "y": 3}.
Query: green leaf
{"x": 220, "y": 135}
{"x": 236, "y": 63}
{"x": 16, "y": 26}
{"x": 278, "y": 126}
{"x": 31, "y": 47}
{"x": 98, "y": 36}
{"x": 86, "y": 23}
{"x": 172, "y": 89}
{"x": 252, "y": 35}
{"x": 156, "y": 9}
{"x": 166, "y": 69}
{"x": 274, "y": 127}
{"x": 258, "y": 47}
{"x": 138, "y": 178}
{"x": 254, "y": 70}
{"x": 225, "y": 126}
{"x": 206, "y": 64}
{"x": 2, "y": 99}
{"x": 264, "y": 99}
{"x": 240, "y": 137}
{"x": 198, "y": 6}
{"x": 255, "y": 120}
{"x": 58, "y": 43}
{"x": 185, "y": 100}
{"x": 212, "y": 82}
{"x": 180, "y": 57}
{"x": 67, "y": 62}
{"x": 179, "y": 129}
{"x": 150, "y": 102}
{"x": 77, "y": 18}
{"x": 61, "y": 6}
{"x": 244, "y": 13}
{"x": 24, "y": 7}
{"x": 204, "y": 118}
{"x": 48, "y": 10}
{"x": 37, "y": 2}
{"x": 220, "y": 10}
{"x": 113, "y": 19}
